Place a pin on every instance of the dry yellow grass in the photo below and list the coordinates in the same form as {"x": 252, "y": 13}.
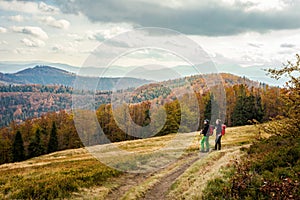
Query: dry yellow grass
{"x": 148, "y": 144}
{"x": 77, "y": 174}
{"x": 202, "y": 170}
{"x": 191, "y": 184}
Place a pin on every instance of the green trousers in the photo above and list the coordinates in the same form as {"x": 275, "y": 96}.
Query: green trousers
{"x": 204, "y": 140}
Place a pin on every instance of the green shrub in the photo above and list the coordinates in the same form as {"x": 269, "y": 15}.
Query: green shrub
{"x": 216, "y": 189}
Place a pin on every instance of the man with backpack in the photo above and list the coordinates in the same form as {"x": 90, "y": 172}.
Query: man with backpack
{"x": 220, "y": 131}
{"x": 205, "y": 132}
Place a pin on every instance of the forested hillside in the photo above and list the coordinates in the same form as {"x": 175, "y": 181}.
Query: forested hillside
{"x": 20, "y": 102}
{"x": 246, "y": 102}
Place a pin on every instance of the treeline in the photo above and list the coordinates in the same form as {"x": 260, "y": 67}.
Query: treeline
{"x": 35, "y": 137}
{"x": 16, "y": 106}
{"x": 20, "y": 102}
{"x": 57, "y": 89}
{"x": 150, "y": 92}
{"x": 243, "y": 105}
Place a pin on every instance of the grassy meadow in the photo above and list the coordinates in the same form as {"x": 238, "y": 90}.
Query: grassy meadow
{"x": 76, "y": 173}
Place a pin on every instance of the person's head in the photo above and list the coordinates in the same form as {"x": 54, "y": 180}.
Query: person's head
{"x": 218, "y": 121}
{"x": 206, "y": 121}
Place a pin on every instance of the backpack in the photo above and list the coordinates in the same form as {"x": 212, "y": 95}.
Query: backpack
{"x": 223, "y": 129}
{"x": 211, "y": 130}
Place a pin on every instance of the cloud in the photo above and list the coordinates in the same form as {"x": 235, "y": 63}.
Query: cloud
{"x": 108, "y": 32}
{"x": 75, "y": 37}
{"x": 3, "y": 42}
{"x": 24, "y": 51}
{"x": 60, "y": 24}
{"x": 33, "y": 42}
{"x": 47, "y": 8}
{"x": 17, "y": 18}
{"x": 255, "y": 45}
{"x": 27, "y": 7}
{"x": 286, "y": 45}
{"x": 19, "y": 6}
{"x": 286, "y": 52}
{"x": 3, "y": 30}
{"x": 213, "y": 18}
{"x": 31, "y": 30}
{"x": 94, "y": 35}
{"x": 58, "y": 48}
{"x": 266, "y": 5}
{"x": 69, "y": 48}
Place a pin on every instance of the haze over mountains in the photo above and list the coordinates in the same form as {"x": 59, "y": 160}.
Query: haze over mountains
{"x": 46, "y": 75}
{"x": 155, "y": 73}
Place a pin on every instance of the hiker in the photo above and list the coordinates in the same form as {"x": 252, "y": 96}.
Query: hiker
{"x": 218, "y": 134}
{"x": 205, "y": 137}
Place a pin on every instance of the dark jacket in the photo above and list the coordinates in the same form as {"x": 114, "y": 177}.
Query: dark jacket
{"x": 218, "y": 129}
{"x": 205, "y": 129}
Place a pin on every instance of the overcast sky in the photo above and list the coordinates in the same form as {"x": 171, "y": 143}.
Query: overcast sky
{"x": 242, "y": 32}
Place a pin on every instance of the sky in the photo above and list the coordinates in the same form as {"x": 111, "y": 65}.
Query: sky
{"x": 233, "y": 32}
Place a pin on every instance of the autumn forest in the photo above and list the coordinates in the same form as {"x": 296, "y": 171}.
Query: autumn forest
{"x": 42, "y": 119}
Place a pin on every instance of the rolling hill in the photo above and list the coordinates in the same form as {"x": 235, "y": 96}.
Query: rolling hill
{"x": 76, "y": 174}
{"x": 36, "y": 91}
{"x": 46, "y": 75}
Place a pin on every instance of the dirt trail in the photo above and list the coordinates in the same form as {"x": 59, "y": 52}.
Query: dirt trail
{"x": 160, "y": 189}
{"x": 129, "y": 181}
{"x": 157, "y": 185}
{"x": 193, "y": 182}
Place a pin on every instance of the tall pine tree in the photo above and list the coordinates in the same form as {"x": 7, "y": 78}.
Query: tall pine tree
{"x": 246, "y": 109}
{"x": 18, "y": 148}
{"x": 53, "y": 142}
{"x": 239, "y": 115}
{"x": 259, "y": 114}
{"x": 211, "y": 111}
{"x": 35, "y": 146}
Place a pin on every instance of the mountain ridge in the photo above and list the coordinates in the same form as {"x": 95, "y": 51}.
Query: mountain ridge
{"x": 43, "y": 68}
{"x": 254, "y": 72}
{"x": 48, "y": 75}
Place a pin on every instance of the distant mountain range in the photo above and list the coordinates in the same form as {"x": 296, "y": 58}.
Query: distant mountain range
{"x": 13, "y": 67}
{"x": 46, "y": 75}
{"x": 152, "y": 73}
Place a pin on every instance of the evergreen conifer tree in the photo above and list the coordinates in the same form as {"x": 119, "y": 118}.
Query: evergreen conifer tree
{"x": 35, "y": 146}
{"x": 18, "y": 151}
{"x": 211, "y": 111}
{"x": 246, "y": 109}
{"x": 53, "y": 142}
